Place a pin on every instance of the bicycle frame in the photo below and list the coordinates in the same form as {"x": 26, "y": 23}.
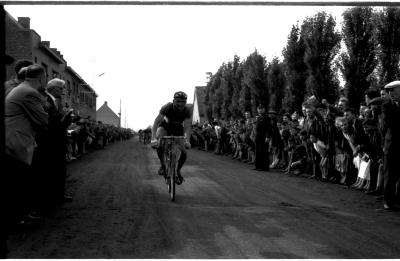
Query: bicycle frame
{"x": 172, "y": 152}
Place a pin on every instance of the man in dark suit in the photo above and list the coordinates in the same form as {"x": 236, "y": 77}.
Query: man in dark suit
{"x": 263, "y": 126}
{"x": 24, "y": 117}
{"x": 49, "y": 161}
{"x": 391, "y": 147}
{"x": 8, "y": 60}
{"x": 56, "y": 142}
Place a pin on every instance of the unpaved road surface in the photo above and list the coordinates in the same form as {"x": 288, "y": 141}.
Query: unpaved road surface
{"x": 224, "y": 209}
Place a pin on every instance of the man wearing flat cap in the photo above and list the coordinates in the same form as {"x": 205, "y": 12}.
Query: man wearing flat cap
{"x": 391, "y": 147}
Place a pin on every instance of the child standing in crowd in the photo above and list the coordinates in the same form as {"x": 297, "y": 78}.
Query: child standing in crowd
{"x": 322, "y": 149}
{"x": 343, "y": 153}
{"x": 297, "y": 157}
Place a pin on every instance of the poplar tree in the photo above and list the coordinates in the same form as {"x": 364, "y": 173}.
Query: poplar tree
{"x": 227, "y": 90}
{"x": 236, "y": 86}
{"x": 276, "y": 84}
{"x": 213, "y": 94}
{"x": 358, "y": 62}
{"x": 254, "y": 79}
{"x": 388, "y": 40}
{"x": 322, "y": 45}
{"x": 295, "y": 70}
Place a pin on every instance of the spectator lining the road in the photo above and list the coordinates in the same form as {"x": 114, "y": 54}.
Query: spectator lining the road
{"x": 24, "y": 117}
{"x": 38, "y": 157}
{"x": 343, "y": 137}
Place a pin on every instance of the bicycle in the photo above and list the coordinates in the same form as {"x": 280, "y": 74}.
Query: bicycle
{"x": 172, "y": 152}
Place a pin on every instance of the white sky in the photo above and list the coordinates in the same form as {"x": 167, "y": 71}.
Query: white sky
{"x": 149, "y": 52}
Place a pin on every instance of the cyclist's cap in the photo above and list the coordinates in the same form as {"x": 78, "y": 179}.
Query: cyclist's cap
{"x": 180, "y": 96}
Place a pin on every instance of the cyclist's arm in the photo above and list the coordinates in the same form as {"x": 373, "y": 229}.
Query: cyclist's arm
{"x": 157, "y": 121}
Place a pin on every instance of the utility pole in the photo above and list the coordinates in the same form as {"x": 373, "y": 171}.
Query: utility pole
{"x": 119, "y": 113}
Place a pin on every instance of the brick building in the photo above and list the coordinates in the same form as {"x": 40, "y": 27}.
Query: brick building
{"x": 107, "y": 116}
{"x": 22, "y": 42}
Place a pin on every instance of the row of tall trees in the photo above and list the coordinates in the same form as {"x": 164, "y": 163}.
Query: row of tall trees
{"x": 366, "y": 52}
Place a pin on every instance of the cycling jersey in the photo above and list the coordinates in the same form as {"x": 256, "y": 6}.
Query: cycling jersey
{"x": 174, "y": 126}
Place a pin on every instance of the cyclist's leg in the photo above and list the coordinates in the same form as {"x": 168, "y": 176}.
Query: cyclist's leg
{"x": 182, "y": 158}
{"x": 161, "y": 132}
{"x": 181, "y": 161}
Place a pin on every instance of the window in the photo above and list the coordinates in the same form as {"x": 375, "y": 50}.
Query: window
{"x": 69, "y": 88}
{"x": 35, "y": 59}
{"x": 46, "y": 70}
{"x": 75, "y": 89}
{"x": 54, "y": 74}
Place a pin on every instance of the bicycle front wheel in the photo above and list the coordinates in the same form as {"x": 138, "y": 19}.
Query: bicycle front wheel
{"x": 172, "y": 179}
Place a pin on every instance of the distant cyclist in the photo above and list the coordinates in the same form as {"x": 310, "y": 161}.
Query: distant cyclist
{"x": 174, "y": 119}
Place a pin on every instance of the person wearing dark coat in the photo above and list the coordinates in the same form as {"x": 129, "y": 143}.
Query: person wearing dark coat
{"x": 24, "y": 118}
{"x": 49, "y": 163}
{"x": 391, "y": 147}
{"x": 57, "y": 140}
{"x": 262, "y": 138}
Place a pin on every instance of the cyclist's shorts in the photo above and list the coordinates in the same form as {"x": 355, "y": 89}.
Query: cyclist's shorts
{"x": 174, "y": 129}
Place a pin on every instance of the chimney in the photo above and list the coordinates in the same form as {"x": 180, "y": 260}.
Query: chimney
{"x": 25, "y": 22}
{"x": 105, "y": 103}
{"x": 46, "y": 43}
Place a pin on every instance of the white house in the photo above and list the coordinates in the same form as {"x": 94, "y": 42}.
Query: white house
{"x": 199, "y": 110}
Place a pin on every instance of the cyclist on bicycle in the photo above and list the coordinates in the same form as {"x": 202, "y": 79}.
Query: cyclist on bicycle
{"x": 174, "y": 119}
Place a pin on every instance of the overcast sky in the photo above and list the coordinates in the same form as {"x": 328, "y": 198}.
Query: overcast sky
{"x": 148, "y": 52}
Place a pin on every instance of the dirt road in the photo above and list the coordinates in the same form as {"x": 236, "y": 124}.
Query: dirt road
{"x": 224, "y": 209}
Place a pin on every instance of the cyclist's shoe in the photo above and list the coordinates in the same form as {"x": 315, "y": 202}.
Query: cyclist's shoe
{"x": 187, "y": 145}
{"x": 154, "y": 144}
{"x": 161, "y": 171}
{"x": 179, "y": 179}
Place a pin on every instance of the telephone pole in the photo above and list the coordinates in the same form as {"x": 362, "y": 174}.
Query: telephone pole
{"x": 119, "y": 113}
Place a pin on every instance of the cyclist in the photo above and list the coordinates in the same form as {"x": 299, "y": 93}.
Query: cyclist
{"x": 174, "y": 119}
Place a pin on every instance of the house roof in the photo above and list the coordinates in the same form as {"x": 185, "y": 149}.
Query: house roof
{"x": 56, "y": 55}
{"x": 15, "y": 21}
{"x": 105, "y": 109}
{"x": 190, "y": 106}
{"x": 200, "y": 93}
{"x": 83, "y": 82}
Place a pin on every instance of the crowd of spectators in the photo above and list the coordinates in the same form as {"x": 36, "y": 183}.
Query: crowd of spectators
{"x": 84, "y": 135}
{"x": 43, "y": 134}
{"x": 354, "y": 147}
